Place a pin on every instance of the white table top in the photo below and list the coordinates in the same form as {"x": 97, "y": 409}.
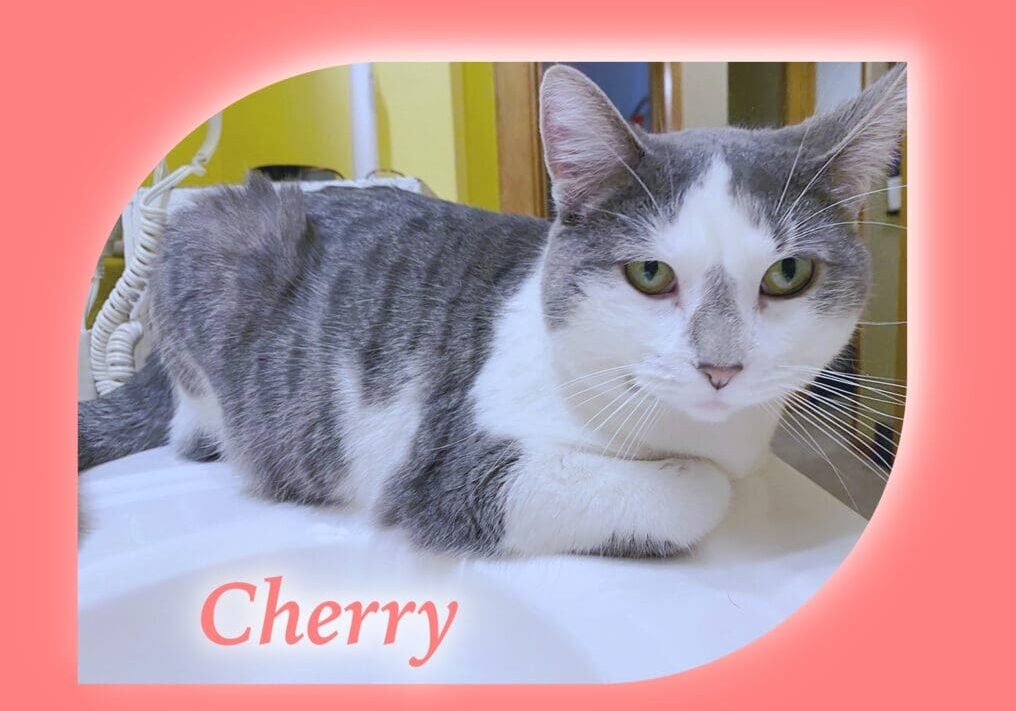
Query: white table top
{"x": 167, "y": 532}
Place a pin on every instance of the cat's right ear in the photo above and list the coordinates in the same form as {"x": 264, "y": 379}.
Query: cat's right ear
{"x": 587, "y": 145}
{"x": 853, "y": 145}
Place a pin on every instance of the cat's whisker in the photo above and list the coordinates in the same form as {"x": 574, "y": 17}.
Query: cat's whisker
{"x": 588, "y": 376}
{"x": 849, "y": 427}
{"x": 881, "y": 323}
{"x": 847, "y": 446}
{"x": 851, "y": 377}
{"x": 614, "y": 383}
{"x": 874, "y": 421}
{"x": 817, "y": 448}
{"x": 633, "y": 440}
{"x": 827, "y": 225}
{"x": 629, "y": 391}
{"x": 889, "y": 397}
{"x": 790, "y": 174}
{"x": 842, "y": 435}
{"x": 854, "y": 402}
{"x": 865, "y": 390}
{"x": 617, "y": 430}
{"x": 604, "y": 393}
{"x": 624, "y": 444}
{"x": 805, "y": 221}
{"x": 641, "y": 428}
{"x": 802, "y": 425}
{"x": 893, "y": 382}
{"x": 626, "y": 218}
{"x": 594, "y": 373}
{"x": 889, "y": 393}
{"x": 659, "y": 411}
{"x": 853, "y": 421}
{"x": 845, "y": 374}
{"x": 855, "y": 399}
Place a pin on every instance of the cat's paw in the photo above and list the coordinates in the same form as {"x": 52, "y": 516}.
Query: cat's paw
{"x": 699, "y": 492}
{"x": 570, "y": 501}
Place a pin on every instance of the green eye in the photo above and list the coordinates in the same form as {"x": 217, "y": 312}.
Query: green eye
{"x": 650, "y": 277}
{"x": 788, "y": 276}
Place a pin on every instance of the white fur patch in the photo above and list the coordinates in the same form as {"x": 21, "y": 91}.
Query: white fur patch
{"x": 568, "y": 500}
{"x": 195, "y": 416}
{"x": 376, "y": 439}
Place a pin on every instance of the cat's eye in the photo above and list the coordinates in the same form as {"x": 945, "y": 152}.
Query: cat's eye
{"x": 788, "y": 276}
{"x": 650, "y": 277}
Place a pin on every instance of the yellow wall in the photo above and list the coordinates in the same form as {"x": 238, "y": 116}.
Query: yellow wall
{"x": 436, "y": 122}
{"x": 478, "y": 136}
{"x": 416, "y": 123}
{"x": 303, "y": 120}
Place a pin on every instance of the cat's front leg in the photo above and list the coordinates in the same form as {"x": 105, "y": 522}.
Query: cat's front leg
{"x": 563, "y": 500}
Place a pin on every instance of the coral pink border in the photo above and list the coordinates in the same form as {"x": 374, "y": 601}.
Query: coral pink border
{"x": 919, "y": 616}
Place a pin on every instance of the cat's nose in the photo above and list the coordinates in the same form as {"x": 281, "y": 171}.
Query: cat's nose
{"x": 719, "y": 375}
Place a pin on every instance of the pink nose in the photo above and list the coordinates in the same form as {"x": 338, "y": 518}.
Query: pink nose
{"x": 720, "y": 375}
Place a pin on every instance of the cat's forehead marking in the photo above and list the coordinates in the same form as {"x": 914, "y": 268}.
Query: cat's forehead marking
{"x": 714, "y": 227}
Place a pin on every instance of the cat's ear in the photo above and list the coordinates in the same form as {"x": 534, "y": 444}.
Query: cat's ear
{"x": 855, "y": 143}
{"x": 587, "y": 145}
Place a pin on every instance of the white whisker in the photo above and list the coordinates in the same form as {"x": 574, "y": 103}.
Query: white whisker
{"x": 619, "y": 427}
{"x": 592, "y": 375}
{"x": 793, "y": 167}
{"x": 847, "y": 446}
{"x": 840, "y": 406}
{"x": 894, "y": 397}
{"x": 854, "y": 399}
{"x": 844, "y": 200}
{"x": 822, "y": 453}
{"x": 631, "y": 392}
{"x": 826, "y": 225}
{"x": 854, "y": 379}
{"x": 846, "y": 425}
{"x": 638, "y": 429}
{"x": 595, "y": 386}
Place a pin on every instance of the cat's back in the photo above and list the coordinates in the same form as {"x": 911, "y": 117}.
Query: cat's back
{"x": 387, "y": 220}
{"x": 263, "y": 265}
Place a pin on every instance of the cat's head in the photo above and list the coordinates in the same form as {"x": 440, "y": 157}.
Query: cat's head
{"x": 710, "y": 268}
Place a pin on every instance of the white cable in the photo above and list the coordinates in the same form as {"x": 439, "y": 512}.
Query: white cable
{"x": 117, "y": 328}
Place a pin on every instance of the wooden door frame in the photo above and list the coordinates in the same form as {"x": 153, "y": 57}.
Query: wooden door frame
{"x": 522, "y": 177}
{"x": 665, "y": 98}
{"x": 799, "y": 88}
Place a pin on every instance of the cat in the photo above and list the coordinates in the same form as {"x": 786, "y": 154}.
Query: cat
{"x": 495, "y": 384}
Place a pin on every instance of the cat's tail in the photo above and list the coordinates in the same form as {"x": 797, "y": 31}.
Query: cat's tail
{"x": 132, "y": 418}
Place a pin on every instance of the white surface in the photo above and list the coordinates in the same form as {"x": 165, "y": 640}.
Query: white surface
{"x": 167, "y": 532}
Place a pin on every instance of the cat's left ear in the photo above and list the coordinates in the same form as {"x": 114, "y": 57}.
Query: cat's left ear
{"x": 588, "y": 147}
{"x": 855, "y": 143}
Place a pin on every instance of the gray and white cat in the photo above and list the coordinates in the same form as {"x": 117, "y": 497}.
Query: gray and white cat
{"x": 496, "y": 384}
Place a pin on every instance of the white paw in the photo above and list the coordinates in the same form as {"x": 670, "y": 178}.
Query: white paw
{"x": 694, "y": 496}
{"x": 561, "y": 502}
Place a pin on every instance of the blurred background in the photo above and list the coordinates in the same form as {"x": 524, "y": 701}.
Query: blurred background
{"x": 468, "y": 133}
